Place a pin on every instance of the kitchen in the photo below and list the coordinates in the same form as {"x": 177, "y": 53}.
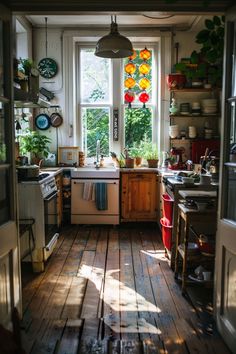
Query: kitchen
{"x": 67, "y": 133}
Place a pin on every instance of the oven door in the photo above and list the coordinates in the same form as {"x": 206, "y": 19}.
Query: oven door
{"x": 51, "y": 216}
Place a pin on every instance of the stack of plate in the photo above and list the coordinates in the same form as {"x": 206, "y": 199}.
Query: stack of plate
{"x": 209, "y": 106}
{"x": 185, "y": 108}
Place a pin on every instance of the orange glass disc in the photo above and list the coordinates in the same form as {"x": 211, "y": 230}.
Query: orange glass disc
{"x": 145, "y": 54}
{"x": 130, "y": 68}
{"x": 144, "y": 68}
{"x": 144, "y": 83}
{"x": 133, "y": 56}
{"x": 129, "y": 82}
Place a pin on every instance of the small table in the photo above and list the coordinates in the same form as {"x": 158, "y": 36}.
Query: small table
{"x": 25, "y": 225}
{"x": 189, "y": 216}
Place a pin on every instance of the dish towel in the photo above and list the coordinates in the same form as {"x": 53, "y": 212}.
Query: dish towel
{"x": 88, "y": 191}
{"x": 101, "y": 196}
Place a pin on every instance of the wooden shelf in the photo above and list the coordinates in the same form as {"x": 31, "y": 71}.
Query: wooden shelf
{"x": 194, "y": 139}
{"x": 217, "y": 115}
{"x": 194, "y": 89}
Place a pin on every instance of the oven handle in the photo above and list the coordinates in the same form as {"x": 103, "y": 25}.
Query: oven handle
{"x": 51, "y": 196}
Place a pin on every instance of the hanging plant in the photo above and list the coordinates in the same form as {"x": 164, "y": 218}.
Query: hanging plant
{"x": 207, "y": 64}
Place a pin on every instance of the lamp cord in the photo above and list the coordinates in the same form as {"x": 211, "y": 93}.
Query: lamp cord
{"x": 46, "y": 36}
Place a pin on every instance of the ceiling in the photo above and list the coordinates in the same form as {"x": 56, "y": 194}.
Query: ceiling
{"x": 76, "y": 6}
{"x": 131, "y": 20}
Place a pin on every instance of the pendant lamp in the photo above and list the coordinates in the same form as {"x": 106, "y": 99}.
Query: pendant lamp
{"x": 114, "y": 45}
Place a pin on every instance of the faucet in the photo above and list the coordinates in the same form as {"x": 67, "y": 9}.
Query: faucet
{"x": 97, "y": 154}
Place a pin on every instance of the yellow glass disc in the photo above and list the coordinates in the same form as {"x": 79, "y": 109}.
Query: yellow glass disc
{"x": 144, "y": 83}
{"x": 129, "y": 82}
{"x": 145, "y": 54}
{"x": 144, "y": 68}
{"x": 130, "y": 68}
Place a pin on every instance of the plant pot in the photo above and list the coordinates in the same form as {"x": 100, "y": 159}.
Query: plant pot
{"x": 138, "y": 161}
{"x": 129, "y": 163}
{"x": 176, "y": 81}
{"x": 152, "y": 163}
{"x": 27, "y": 172}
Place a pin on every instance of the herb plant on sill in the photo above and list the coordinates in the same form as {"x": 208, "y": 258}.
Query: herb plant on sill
{"x": 34, "y": 143}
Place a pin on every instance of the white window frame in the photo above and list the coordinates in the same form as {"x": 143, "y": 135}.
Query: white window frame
{"x": 81, "y": 105}
{"x": 154, "y": 102}
{"x": 117, "y": 99}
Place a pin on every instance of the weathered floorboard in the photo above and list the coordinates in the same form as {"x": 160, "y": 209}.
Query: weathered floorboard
{"x": 110, "y": 290}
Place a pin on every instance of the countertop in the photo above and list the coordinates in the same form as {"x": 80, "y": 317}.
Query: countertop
{"x": 160, "y": 171}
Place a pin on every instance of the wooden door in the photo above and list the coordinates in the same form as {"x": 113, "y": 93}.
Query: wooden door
{"x": 9, "y": 256}
{"x": 225, "y": 279}
{"x": 139, "y": 194}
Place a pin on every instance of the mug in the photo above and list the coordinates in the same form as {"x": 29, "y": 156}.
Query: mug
{"x": 206, "y": 275}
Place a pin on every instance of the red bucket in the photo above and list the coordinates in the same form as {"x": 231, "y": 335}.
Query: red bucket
{"x": 166, "y": 232}
{"x": 168, "y": 207}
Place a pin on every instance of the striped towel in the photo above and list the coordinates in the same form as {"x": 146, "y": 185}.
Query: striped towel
{"x": 88, "y": 191}
{"x": 101, "y": 196}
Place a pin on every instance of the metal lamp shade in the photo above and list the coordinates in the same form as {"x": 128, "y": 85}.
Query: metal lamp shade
{"x": 114, "y": 45}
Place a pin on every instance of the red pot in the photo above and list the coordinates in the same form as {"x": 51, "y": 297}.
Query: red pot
{"x": 176, "y": 81}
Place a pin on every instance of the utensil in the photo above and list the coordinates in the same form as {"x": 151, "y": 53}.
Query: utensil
{"x": 42, "y": 121}
{"x": 56, "y": 119}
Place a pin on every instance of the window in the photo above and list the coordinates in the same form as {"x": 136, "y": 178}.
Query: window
{"x": 101, "y": 90}
{"x": 95, "y": 101}
{"x": 138, "y": 120}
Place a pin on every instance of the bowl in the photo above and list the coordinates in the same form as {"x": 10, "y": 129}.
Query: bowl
{"x": 201, "y": 206}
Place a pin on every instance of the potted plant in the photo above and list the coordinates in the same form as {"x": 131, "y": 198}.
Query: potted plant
{"x": 34, "y": 143}
{"x": 136, "y": 152}
{"x": 150, "y": 153}
{"x": 26, "y": 70}
{"x": 195, "y": 69}
{"x": 208, "y": 62}
{"x": 212, "y": 40}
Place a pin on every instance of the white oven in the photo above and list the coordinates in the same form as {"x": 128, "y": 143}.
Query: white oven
{"x": 38, "y": 201}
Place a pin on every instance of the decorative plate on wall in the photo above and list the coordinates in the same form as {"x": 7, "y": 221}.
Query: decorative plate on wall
{"x": 47, "y": 68}
{"x": 42, "y": 121}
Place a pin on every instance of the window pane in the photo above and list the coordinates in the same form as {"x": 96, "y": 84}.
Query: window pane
{"x": 137, "y": 76}
{"x": 95, "y": 127}
{"x": 138, "y": 125}
{"x": 95, "y": 77}
{"x": 231, "y": 197}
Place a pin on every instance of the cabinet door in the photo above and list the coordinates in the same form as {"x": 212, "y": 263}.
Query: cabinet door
{"x": 139, "y": 197}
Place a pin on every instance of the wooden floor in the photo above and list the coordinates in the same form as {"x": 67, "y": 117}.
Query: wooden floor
{"x": 110, "y": 290}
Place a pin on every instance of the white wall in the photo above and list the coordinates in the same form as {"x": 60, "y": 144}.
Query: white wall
{"x": 186, "y": 42}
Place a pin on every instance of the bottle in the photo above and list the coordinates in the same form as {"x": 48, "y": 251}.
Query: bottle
{"x": 102, "y": 161}
{"x": 204, "y": 161}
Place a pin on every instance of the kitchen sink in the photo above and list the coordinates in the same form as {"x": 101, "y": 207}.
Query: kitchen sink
{"x": 93, "y": 172}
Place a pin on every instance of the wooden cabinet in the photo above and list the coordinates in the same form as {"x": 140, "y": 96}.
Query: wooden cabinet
{"x": 139, "y": 197}
{"x": 58, "y": 179}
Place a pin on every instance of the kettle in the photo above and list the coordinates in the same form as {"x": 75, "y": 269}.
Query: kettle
{"x": 213, "y": 162}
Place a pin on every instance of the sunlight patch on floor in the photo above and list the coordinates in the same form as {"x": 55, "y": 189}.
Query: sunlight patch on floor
{"x": 157, "y": 254}
{"x": 128, "y": 299}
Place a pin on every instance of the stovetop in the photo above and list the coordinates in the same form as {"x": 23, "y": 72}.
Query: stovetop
{"x": 43, "y": 177}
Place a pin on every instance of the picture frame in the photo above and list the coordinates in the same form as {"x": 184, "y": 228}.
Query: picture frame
{"x": 68, "y": 155}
